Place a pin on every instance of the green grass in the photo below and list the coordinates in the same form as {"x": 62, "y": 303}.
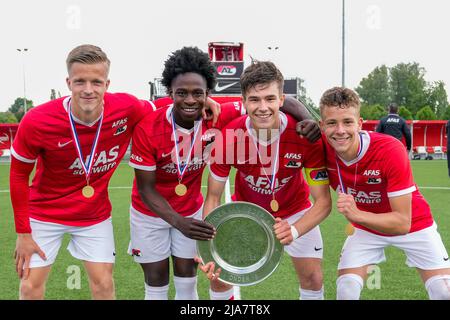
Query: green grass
{"x": 397, "y": 280}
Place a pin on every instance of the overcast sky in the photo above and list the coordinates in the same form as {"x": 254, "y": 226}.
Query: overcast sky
{"x": 138, "y": 35}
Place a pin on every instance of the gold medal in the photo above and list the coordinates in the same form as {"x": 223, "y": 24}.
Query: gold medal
{"x": 180, "y": 189}
{"x": 349, "y": 229}
{"x": 274, "y": 205}
{"x": 88, "y": 191}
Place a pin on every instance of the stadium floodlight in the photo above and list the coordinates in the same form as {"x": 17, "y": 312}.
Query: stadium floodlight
{"x": 273, "y": 50}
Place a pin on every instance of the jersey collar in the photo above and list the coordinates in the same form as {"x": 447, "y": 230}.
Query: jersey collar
{"x": 283, "y": 126}
{"x": 169, "y": 119}
{"x": 365, "y": 142}
{"x": 66, "y": 103}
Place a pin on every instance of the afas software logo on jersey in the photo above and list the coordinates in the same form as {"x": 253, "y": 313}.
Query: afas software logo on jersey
{"x": 226, "y": 70}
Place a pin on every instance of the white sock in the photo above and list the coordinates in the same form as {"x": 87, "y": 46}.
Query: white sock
{"x": 226, "y": 295}
{"x": 311, "y": 294}
{"x": 156, "y": 293}
{"x": 438, "y": 287}
{"x": 185, "y": 288}
{"x": 349, "y": 287}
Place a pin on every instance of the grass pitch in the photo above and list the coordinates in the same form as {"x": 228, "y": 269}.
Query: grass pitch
{"x": 390, "y": 280}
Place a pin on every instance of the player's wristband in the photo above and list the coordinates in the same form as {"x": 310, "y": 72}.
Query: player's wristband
{"x": 294, "y": 232}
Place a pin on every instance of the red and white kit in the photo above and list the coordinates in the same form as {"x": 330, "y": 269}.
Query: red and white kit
{"x": 382, "y": 171}
{"x": 253, "y": 182}
{"x": 45, "y": 137}
{"x": 253, "y": 179}
{"x": 153, "y": 149}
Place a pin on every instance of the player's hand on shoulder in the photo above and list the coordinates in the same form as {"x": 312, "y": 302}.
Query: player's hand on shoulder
{"x": 309, "y": 129}
{"x": 196, "y": 229}
{"x": 211, "y": 111}
{"x": 25, "y": 248}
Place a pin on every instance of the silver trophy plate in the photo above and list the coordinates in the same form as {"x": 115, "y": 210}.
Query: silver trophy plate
{"x": 245, "y": 246}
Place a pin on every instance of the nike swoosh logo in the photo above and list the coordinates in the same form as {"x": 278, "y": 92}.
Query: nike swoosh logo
{"x": 166, "y": 154}
{"x": 317, "y": 249}
{"x": 445, "y": 259}
{"x": 219, "y": 88}
{"x": 61, "y": 145}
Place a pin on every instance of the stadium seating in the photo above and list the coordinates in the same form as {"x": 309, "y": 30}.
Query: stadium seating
{"x": 422, "y": 152}
{"x": 438, "y": 152}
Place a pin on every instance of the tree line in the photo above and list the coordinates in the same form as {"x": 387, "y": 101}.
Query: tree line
{"x": 403, "y": 84}
{"x": 16, "y": 111}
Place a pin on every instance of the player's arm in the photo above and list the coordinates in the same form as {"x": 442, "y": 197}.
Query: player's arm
{"x": 211, "y": 111}
{"x": 212, "y": 201}
{"x": 397, "y": 222}
{"x": 19, "y": 192}
{"x": 213, "y": 195}
{"x": 191, "y": 228}
{"x": 313, "y": 217}
{"x": 306, "y": 125}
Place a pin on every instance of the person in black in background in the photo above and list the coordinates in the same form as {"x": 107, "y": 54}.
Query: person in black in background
{"x": 448, "y": 146}
{"x": 396, "y": 126}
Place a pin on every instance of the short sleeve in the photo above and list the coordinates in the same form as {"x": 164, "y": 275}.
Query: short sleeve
{"x": 26, "y": 146}
{"x": 142, "y": 150}
{"x": 398, "y": 173}
{"x": 221, "y": 163}
{"x": 315, "y": 165}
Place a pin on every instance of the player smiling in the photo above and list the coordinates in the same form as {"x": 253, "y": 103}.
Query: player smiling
{"x": 377, "y": 194}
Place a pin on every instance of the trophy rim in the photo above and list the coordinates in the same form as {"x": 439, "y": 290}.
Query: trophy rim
{"x": 256, "y": 272}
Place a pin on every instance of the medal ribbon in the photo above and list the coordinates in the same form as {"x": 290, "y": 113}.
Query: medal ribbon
{"x": 180, "y": 167}
{"x": 87, "y": 167}
{"x": 275, "y": 167}
{"x": 360, "y": 147}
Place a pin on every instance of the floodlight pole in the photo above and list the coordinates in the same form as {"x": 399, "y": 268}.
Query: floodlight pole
{"x": 22, "y": 51}
{"x": 343, "y": 43}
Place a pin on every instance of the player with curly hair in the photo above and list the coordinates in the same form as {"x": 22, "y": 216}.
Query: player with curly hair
{"x": 170, "y": 150}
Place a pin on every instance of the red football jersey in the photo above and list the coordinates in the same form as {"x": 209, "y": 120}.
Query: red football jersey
{"x": 382, "y": 170}
{"x": 153, "y": 149}
{"x": 44, "y": 135}
{"x": 254, "y": 172}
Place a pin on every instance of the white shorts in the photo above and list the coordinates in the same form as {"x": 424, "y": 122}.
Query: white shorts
{"x": 309, "y": 245}
{"x": 153, "y": 239}
{"x": 92, "y": 243}
{"x": 424, "y": 249}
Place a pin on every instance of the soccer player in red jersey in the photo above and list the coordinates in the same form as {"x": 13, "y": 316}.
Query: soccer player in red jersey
{"x": 169, "y": 152}
{"x": 269, "y": 156}
{"x": 76, "y": 143}
{"x": 377, "y": 194}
